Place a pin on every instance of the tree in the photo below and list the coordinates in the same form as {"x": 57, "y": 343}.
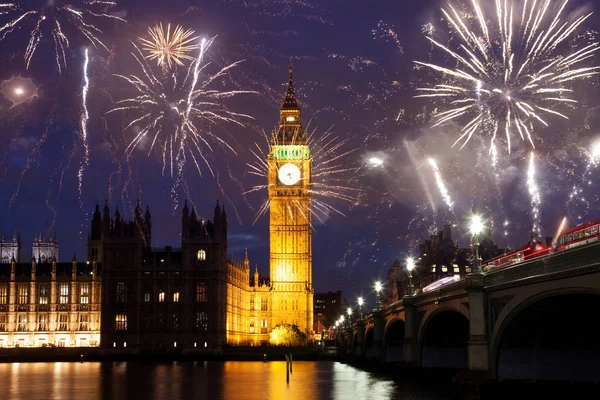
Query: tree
{"x": 287, "y": 335}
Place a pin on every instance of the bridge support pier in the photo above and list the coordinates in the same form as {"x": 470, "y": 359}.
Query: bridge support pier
{"x": 378, "y": 331}
{"x": 360, "y": 340}
{"x": 410, "y": 330}
{"x": 477, "y": 346}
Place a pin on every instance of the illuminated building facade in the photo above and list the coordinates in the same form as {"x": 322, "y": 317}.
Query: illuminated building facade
{"x": 289, "y": 182}
{"x": 195, "y": 296}
{"x": 47, "y": 303}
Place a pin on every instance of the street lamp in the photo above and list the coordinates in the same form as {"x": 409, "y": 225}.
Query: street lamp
{"x": 342, "y": 320}
{"x": 410, "y": 265}
{"x": 476, "y": 228}
{"x": 360, "y": 304}
{"x": 378, "y": 288}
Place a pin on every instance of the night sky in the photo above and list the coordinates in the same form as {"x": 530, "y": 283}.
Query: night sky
{"x": 353, "y": 73}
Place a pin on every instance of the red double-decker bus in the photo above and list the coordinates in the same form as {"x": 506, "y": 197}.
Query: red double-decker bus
{"x": 528, "y": 253}
{"x": 580, "y": 235}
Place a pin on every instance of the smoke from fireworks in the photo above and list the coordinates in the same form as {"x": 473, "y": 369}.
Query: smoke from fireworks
{"x": 512, "y": 70}
{"x": 580, "y": 199}
{"x": 168, "y": 110}
{"x": 534, "y": 193}
{"x": 18, "y": 90}
{"x": 169, "y": 48}
{"x": 330, "y": 174}
{"x": 52, "y": 16}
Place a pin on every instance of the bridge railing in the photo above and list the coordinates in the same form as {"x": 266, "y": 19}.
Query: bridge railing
{"x": 572, "y": 259}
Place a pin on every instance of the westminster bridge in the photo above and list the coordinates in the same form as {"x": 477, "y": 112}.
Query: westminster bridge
{"x": 534, "y": 320}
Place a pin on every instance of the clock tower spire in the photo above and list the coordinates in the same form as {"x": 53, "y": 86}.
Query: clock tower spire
{"x": 290, "y": 127}
{"x": 290, "y": 228}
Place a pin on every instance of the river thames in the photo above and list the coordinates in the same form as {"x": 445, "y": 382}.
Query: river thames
{"x": 202, "y": 380}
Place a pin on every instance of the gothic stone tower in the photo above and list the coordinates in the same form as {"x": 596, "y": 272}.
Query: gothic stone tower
{"x": 289, "y": 179}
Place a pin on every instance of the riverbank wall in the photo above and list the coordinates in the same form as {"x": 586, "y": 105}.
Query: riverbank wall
{"x": 228, "y": 353}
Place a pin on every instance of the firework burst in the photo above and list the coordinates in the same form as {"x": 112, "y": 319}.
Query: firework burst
{"x": 53, "y": 17}
{"x": 169, "y": 47}
{"x": 511, "y": 71}
{"x": 167, "y": 111}
{"x": 330, "y": 173}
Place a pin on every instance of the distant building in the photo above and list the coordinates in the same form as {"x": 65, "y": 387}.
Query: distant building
{"x": 47, "y": 303}
{"x": 10, "y": 249}
{"x": 439, "y": 257}
{"x": 327, "y": 308}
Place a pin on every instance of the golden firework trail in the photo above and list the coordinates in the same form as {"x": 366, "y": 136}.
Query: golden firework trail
{"x": 50, "y": 16}
{"x": 331, "y": 175}
{"x": 534, "y": 193}
{"x": 169, "y": 47}
{"x": 511, "y": 71}
{"x": 441, "y": 184}
{"x": 166, "y": 111}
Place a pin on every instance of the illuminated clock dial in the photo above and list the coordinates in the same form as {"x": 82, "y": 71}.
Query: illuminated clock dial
{"x": 289, "y": 174}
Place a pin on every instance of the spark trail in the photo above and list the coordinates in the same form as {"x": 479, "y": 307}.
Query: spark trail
{"x": 85, "y": 117}
{"x": 511, "y": 72}
{"x": 53, "y": 17}
{"x": 441, "y": 185}
{"x": 534, "y": 194}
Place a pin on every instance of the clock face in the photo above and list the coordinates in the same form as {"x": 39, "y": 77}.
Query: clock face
{"x": 289, "y": 174}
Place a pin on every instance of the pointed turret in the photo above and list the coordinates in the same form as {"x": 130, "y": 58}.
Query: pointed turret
{"x": 246, "y": 260}
{"x": 186, "y": 210}
{"x": 290, "y": 128}
{"x": 96, "y": 233}
{"x": 138, "y": 210}
{"x": 256, "y": 276}
{"x": 290, "y": 102}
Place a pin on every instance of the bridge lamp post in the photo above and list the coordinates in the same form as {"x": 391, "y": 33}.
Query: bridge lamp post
{"x": 360, "y": 304}
{"x": 342, "y": 320}
{"x": 410, "y": 265}
{"x": 476, "y": 228}
{"x": 378, "y": 289}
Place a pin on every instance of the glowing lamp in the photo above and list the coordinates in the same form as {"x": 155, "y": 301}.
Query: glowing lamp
{"x": 19, "y": 91}
{"x": 342, "y": 319}
{"x": 476, "y": 225}
{"x": 378, "y": 286}
{"x": 410, "y": 264}
{"x": 349, "y": 311}
{"x": 361, "y": 301}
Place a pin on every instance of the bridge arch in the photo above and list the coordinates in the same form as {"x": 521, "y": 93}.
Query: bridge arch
{"x": 548, "y": 335}
{"x": 393, "y": 340}
{"x": 443, "y": 339}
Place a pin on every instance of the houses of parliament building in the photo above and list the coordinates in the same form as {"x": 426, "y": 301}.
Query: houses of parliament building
{"x": 129, "y": 295}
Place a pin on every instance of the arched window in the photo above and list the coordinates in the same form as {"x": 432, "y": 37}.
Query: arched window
{"x": 201, "y": 255}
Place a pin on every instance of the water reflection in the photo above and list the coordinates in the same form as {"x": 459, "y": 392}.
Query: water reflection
{"x": 170, "y": 381}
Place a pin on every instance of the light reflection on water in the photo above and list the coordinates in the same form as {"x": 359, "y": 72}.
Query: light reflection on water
{"x": 195, "y": 380}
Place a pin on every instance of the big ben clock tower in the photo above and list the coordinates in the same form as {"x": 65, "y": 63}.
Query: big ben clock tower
{"x": 289, "y": 178}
